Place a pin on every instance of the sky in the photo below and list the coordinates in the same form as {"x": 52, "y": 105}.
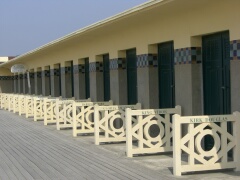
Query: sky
{"x": 28, "y": 24}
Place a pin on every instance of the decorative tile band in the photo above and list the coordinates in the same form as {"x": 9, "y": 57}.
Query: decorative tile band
{"x": 46, "y": 73}
{"x": 54, "y": 72}
{"x": 7, "y": 77}
{"x": 235, "y": 50}
{"x": 96, "y": 67}
{"x": 118, "y": 63}
{"x": 31, "y": 75}
{"x": 39, "y": 74}
{"x": 20, "y": 76}
{"x": 80, "y": 68}
{"x": 147, "y": 60}
{"x": 65, "y": 70}
{"x": 190, "y": 55}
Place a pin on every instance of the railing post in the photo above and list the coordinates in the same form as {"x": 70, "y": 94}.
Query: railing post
{"x": 176, "y": 145}
{"x": 74, "y": 120}
{"x": 236, "y": 134}
{"x": 96, "y": 124}
{"x": 128, "y": 132}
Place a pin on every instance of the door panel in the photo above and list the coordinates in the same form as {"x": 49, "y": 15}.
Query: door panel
{"x": 131, "y": 76}
{"x": 166, "y": 75}
{"x": 106, "y": 77}
{"x": 72, "y": 80}
{"x": 87, "y": 81}
{"x": 216, "y": 77}
{"x": 216, "y": 74}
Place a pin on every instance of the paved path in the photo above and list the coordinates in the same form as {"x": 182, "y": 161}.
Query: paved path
{"x": 29, "y": 150}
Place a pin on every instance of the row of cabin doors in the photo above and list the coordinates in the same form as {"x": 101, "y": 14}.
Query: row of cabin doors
{"x": 216, "y": 75}
{"x": 166, "y": 75}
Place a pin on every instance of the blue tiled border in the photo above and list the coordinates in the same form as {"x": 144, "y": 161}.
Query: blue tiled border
{"x": 235, "y": 50}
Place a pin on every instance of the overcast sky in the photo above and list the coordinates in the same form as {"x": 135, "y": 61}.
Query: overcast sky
{"x": 28, "y": 24}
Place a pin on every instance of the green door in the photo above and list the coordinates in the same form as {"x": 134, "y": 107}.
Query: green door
{"x": 106, "y": 77}
{"x": 131, "y": 58}
{"x": 216, "y": 77}
{"x": 60, "y": 80}
{"x": 87, "y": 81}
{"x": 72, "y": 80}
{"x": 166, "y": 75}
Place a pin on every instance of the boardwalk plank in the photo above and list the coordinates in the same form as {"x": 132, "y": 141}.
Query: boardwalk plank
{"x": 41, "y": 152}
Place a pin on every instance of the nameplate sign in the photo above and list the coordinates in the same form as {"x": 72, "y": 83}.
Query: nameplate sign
{"x": 112, "y": 108}
{"x": 92, "y": 103}
{"x": 66, "y": 101}
{"x": 147, "y": 112}
{"x": 39, "y": 98}
{"x": 209, "y": 119}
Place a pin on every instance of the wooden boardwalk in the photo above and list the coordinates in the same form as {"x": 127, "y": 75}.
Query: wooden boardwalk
{"x": 29, "y": 150}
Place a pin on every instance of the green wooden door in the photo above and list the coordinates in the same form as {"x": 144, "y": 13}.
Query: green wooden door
{"x": 131, "y": 76}
{"x": 166, "y": 75}
{"x": 87, "y": 81}
{"x": 72, "y": 80}
{"x": 106, "y": 77}
{"x": 216, "y": 77}
{"x": 60, "y": 80}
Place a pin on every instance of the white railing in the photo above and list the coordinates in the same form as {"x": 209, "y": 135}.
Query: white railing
{"x": 6, "y": 101}
{"x": 198, "y": 159}
{"x": 152, "y": 133}
{"x": 38, "y": 108}
{"x": 3, "y": 99}
{"x": 1, "y": 94}
{"x": 16, "y": 104}
{"x": 83, "y": 116}
{"x": 64, "y": 114}
{"x": 21, "y": 105}
{"x": 29, "y": 104}
{"x": 11, "y": 102}
{"x": 109, "y": 123}
{"x": 50, "y": 110}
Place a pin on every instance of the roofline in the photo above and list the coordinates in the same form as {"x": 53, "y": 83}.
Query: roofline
{"x": 87, "y": 28}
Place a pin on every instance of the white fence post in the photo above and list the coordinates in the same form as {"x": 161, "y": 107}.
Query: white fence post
{"x": 236, "y": 134}
{"x": 128, "y": 132}
{"x": 176, "y": 145}
{"x": 96, "y": 124}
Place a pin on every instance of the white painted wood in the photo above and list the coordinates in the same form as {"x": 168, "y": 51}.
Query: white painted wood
{"x": 29, "y": 104}
{"x": 50, "y": 110}
{"x": 190, "y": 143}
{"x": 176, "y": 143}
{"x": 3, "y": 96}
{"x": 236, "y": 134}
{"x": 38, "y": 108}
{"x": 83, "y": 116}
{"x": 11, "y": 103}
{"x": 64, "y": 113}
{"x": 15, "y": 105}
{"x": 104, "y": 119}
{"x": 6, "y": 101}
{"x": 139, "y": 131}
